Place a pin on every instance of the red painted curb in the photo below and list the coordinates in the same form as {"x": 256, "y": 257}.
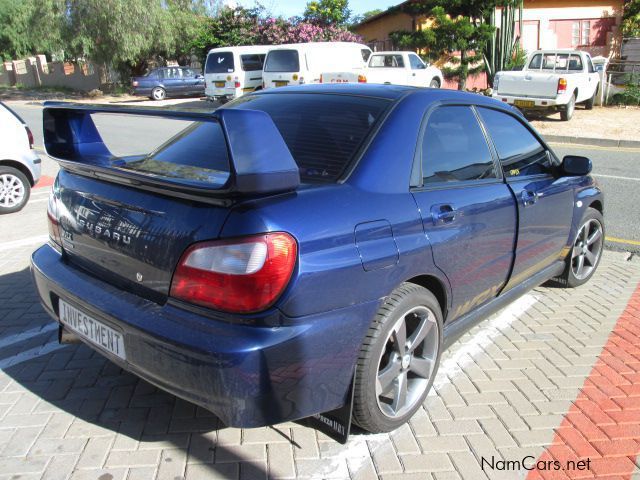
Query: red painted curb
{"x": 45, "y": 181}
{"x": 603, "y": 424}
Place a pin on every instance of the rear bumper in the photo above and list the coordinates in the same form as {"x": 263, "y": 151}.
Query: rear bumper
{"x": 247, "y": 375}
{"x": 538, "y": 103}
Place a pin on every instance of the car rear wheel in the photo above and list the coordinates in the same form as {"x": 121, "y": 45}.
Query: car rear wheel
{"x": 398, "y": 360}
{"x": 14, "y": 190}
{"x": 158, "y": 93}
{"x": 586, "y": 251}
{"x": 567, "y": 113}
{"x": 435, "y": 83}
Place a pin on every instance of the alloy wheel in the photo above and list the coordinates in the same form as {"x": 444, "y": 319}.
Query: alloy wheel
{"x": 407, "y": 361}
{"x": 12, "y": 190}
{"x": 587, "y": 249}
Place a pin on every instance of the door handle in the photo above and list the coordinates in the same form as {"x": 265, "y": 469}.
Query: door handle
{"x": 529, "y": 198}
{"x": 443, "y": 214}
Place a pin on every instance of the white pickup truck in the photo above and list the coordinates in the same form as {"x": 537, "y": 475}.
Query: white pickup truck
{"x": 402, "y": 68}
{"x": 552, "y": 80}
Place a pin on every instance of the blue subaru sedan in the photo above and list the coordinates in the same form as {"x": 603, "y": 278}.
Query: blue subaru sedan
{"x": 304, "y": 249}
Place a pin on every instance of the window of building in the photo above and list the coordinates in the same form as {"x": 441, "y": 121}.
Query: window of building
{"x": 581, "y": 33}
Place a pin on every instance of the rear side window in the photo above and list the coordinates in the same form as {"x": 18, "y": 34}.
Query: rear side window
{"x": 219, "y": 62}
{"x": 198, "y": 154}
{"x": 366, "y": 53}
{"x": 282, "y": 61}
{"x": 323, "y": 132}
{"x": 454, "y": 148}
{"x": 252, "y": 63}
{"x": 535, "y": 62}
{"x": 519, "y": 150}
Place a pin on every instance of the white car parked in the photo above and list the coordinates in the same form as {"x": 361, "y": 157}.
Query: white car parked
{"x": 230, "y": 72}
{"x": 551, "y": 80}
{"x": 402, "y": 68}
{"x": 314, "y": 62}
{"x": 19, "y": 164}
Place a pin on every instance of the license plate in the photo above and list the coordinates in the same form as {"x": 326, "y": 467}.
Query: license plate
{"x": 220, "y": 84}
{"x": 88, "y": 327}
{"x": 524, "y": 103}
{"x": 281, "y": 84}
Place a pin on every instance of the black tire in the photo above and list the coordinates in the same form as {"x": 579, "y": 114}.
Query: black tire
{"x": 435, "y": 83}
{"x": 379, "y": 348}
{"x": 15, "y": 190}
{"x": 571, "y": 278}
{"x": 588, "y": 105}
{"x": 158, "y": 93}
{"x": 567, "y": 112}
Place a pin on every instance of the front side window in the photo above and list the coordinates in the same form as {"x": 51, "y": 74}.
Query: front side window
{"x": 416, "y": 63}
{"x": 386, "y": 61}
{"x": 535, "y": 62}
{"x": 282, "y": 61}
{"x": 219, "y": 62}
{"x": 520, "y": 152}
{"x": 575, "y": 63}
{"x": 454, "y": 148}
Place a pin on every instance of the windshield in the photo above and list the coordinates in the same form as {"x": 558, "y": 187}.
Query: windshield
{"x": 323, "y": 132}
{"x": 282, "y": 61}
{"x": 219, "y": 62}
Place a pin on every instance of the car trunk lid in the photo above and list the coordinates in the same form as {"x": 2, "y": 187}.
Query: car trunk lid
{"x": 127, "y": 219}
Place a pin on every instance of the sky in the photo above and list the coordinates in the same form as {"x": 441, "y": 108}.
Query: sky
{"x": 290, "y": 8}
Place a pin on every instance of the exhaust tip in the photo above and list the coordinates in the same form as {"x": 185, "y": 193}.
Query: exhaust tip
{"x": 66, "y": 336}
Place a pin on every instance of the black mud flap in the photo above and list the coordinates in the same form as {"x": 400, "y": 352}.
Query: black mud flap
{"x": 336, "y": 423}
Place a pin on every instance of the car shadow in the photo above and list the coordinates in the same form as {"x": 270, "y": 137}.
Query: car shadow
{"x": 102, "y": 396}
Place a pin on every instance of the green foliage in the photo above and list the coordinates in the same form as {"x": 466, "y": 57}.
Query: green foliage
{"x": 631, "y": 18}
{"x": 503, "y": 46}
{"x": 366, "y": 15}
{"x": 630, "y": 96}
{"x": 457, "y": 26}
{"x": 327, "y": 12}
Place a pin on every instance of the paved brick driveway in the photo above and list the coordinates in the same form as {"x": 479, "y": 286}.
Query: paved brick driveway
{"x": 554, "y": 377}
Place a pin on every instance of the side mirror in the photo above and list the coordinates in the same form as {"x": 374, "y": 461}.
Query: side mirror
{"x": 575, "y": 166}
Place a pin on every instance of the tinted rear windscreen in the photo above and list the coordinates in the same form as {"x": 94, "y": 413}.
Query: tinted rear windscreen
{"x": 219, "y": 62}
{"x": 323, "y": 132}
{"x": 282, "y": 61}
{"x": 252, "y": 62}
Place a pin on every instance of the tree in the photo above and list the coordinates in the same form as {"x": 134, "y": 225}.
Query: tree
{"x": 631, "y": 19}
{"x": 327, "y": 12}
{"x": 456, "y": 26}
{"x": 365, "y": 16}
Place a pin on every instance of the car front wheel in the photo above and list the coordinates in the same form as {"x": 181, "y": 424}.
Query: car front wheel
{"x": 586, "y": 251}
{"x": 14, "y": 190}
{"x": 398, "y": 360}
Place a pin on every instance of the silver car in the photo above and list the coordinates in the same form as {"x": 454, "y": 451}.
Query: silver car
{"x": 19, "y": 164}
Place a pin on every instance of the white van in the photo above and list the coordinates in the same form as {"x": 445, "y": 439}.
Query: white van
{"x": 313, "y": 62}
{"x": 230, "y": 72}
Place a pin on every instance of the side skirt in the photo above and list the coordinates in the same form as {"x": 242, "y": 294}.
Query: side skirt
{"x": 454, "y": 330}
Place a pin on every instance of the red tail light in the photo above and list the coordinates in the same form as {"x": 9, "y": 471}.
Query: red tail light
{"x": 240, "y": 276}
{"x": 30, "y": 136}
{"x": 320, "y": 78}
{"x": 53, "y": 223}
{"x": 237, "y": 84}
{"x": 362, "y": 79}
{"x": 562, "y": 85}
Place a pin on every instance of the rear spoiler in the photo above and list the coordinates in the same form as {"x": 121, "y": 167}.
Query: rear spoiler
{"x": 260, "y": 160}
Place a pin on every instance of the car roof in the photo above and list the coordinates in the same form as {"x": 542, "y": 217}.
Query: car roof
{"x": 390, "y": 92}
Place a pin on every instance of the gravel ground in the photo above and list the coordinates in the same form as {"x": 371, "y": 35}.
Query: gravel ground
{"x": 617, "y": 123}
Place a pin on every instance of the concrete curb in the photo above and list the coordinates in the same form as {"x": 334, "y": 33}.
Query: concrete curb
{"x": 599, "y": 142}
